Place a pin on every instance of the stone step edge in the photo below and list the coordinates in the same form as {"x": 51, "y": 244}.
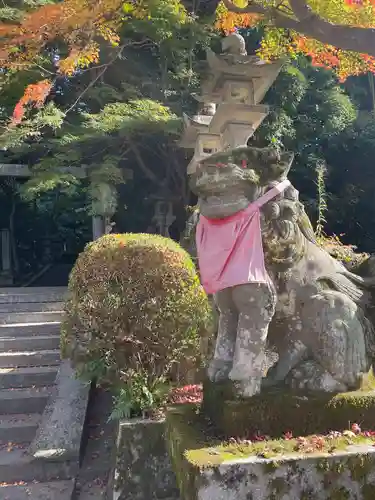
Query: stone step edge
{"x": 28, "y": 343}
{"x": 31, "y": 308}
{"x": 53, "y": 490}
{"x": 17, "y": 465}
{"x": 34, "y": 338}
{"x": 33, "y": 294}
{"x": 59, "y": 435}
{"x": 31, "y": 324}
{"x": 30, "y": 358}
{"x": 19, "y": 420}
{"x": 25, "y": 377}
{"x": 18, "y": 428}
{"x": 26, "y": 392}
{"x": 24, "y": 318}
{"x": 30, "y": 329}
{"x": 27, "y": 370}
{"x": 6, "y": 314}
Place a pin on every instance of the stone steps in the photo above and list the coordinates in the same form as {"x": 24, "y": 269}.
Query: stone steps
{"x": 34, "y": 343}
{"x": 31, "y": 307}
{"x": 37, "y": 459}
{"x": 46, "y": 357}
{"x": 25, "y": 400}
{"x": 29, "y": 362}
{"x": 18, "y": 428}
{"x": 32, "y": 376}
{"x": 57, "y": 490}
{"x": 30, "y": 317}
{"x": 16, "y": 465}
{"x": 34, "y": 294}
{"x": 30, "y": 329}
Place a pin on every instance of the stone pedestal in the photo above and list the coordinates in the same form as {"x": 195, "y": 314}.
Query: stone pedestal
{"x": 229, "y": 473}
{"x": 143, "y": 468}
{"x": 274, "y": 412}
{"x": 339, "y": 466}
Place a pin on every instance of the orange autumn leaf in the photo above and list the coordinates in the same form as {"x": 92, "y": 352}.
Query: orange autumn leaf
{"x": 278, "y": 42}
{"x": 77, "y": 22}
{"x": 79, "y": 59}
{"x": 35, "y": 95}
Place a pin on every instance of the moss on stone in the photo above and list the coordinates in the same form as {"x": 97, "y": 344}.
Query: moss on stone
{"x": 202, "y": 449}
{"x": 302, "y": 413}
{"x": 142, "y": 461}
{"x": 181, "y": 434}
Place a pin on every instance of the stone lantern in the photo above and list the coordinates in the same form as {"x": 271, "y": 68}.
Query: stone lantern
{"x": 104, "y": 204}
{"x": 232, "y": 90}
{"x": 163, "y": 215}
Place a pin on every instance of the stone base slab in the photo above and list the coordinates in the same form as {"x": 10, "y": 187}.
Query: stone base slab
{"x": 205, "y": 472}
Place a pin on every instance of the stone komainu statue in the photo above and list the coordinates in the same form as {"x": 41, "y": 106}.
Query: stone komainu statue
{"x": 315, "y": 313}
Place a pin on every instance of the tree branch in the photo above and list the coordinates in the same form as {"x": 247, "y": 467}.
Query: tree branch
{"x": 301, "y": 10}
{"x": 308, "y": 23}
{"x": 149, "y": 173}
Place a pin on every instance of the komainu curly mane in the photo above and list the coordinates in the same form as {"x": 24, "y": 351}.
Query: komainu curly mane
{"x": 285, "y": 230}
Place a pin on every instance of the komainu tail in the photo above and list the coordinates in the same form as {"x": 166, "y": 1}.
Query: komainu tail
{"x": 343, "y": 283}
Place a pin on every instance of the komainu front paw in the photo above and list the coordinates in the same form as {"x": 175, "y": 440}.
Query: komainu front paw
{"x": 310, "y": 376}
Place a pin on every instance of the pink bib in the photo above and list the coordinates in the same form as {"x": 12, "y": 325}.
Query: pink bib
{"x": 230, "y": 250}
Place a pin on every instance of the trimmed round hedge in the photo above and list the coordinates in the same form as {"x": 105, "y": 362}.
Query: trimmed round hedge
{"x": 136, "y": 305}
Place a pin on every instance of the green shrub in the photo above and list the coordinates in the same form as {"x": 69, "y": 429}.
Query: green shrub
{"x": 136, "y": 309}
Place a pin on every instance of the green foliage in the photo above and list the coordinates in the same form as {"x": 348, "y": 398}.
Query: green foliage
{"x": 14, "y": 12}
{"x": 309, "y": 107}
{"x": 166, "y": 15}
{"x": 136, "y": 309}
{"x": 139, "y": 396}
{"x": 132, "y": 101}
{"x": 310, "y": 111}
{"x": 10, "y": 14}
{"x": 50, "y": 117}
{"x": 131, "y": 117}
{"x": 350, "y": 183}
{"x": 341, "y": 112}
{"x": 118, "y": 120}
